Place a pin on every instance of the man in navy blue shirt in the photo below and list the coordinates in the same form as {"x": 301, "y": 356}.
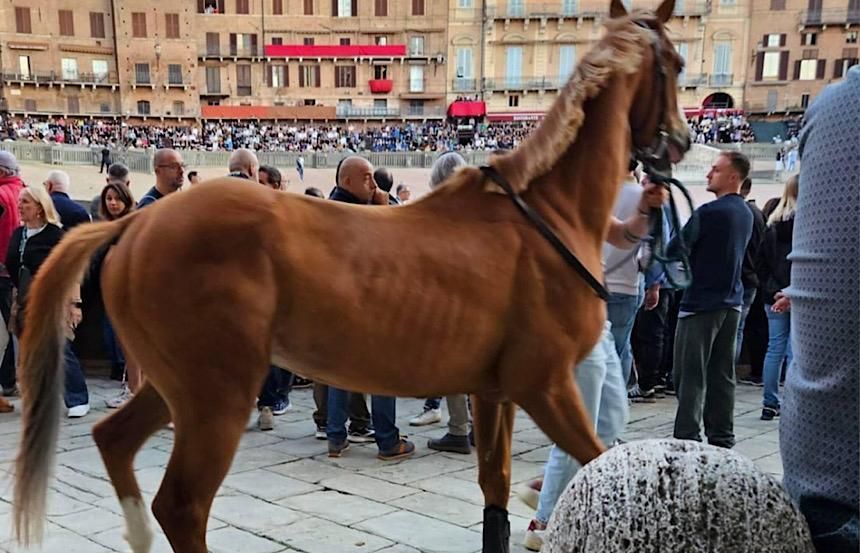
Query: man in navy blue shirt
{"x": 169, "y": 176}
{"x": 705, "y": 339}
{"x": 71, "y": 214}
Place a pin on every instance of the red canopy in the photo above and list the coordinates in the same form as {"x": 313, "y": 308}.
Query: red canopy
{"x": 463, "y": 108}
{"x": 335, "y": 51}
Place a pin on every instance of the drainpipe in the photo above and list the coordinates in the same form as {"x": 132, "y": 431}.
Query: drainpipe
{"x": 483, "y": 48}
{"x": 116, "y": 65}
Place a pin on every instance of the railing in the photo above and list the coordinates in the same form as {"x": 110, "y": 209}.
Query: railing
{"x": 830, "y": 16}
{"x": 238, "y": 52}
{"x": 545, "y": 11}
{"x": 692, "y": 80}
{"x": 464, "y": 85}
{"x": 721, "y": 79}
{"x": 388, "y": 112}
{"x": 537, "y": 83}
{"x": 54, "y": 77}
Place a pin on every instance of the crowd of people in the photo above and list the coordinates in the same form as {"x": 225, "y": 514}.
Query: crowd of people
{"x": 722, "y": 129}
{"x": 661, "y": 338}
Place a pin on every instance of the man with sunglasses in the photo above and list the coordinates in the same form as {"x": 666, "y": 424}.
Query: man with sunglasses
{"x": 169, "y": 176}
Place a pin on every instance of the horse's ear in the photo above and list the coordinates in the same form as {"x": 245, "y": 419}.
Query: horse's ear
{"x": 664, "y": 12}
{"x": 617, "y": 9}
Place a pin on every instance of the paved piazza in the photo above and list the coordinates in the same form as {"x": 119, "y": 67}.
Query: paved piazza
{"x": 283, "y": 494}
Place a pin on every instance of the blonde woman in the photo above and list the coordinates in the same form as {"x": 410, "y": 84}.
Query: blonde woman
{"x": 774, "y": 274}
{"x": 30, "y": 245}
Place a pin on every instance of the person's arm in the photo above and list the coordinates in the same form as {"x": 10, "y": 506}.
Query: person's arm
{"x": 626, "y": 235}
{"x": 12, "y": 257}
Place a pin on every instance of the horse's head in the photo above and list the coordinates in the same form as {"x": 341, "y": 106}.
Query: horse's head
{"x": 659, "y": 132}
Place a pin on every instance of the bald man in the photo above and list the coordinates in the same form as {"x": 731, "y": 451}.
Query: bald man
{"x": 244, "y": 164}
{"x": 71, "y": 213}
{"x": 169, "y": 176}
{"x": 355, "y": 183}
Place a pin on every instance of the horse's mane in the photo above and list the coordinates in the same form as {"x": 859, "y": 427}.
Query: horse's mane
{"x": 620, "y": 51}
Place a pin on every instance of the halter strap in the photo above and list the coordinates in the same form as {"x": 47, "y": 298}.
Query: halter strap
{"x": 545, "y": 230}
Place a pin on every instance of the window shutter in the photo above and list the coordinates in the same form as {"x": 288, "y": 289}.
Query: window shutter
{"x": 253, "y": 45}
{"x": 201, "y": 6}
{"x": 334, "y": 10}
{"x": 302, "y": 76}
{"x": 764, "y": 41}
{"x": 796, "y": 70}
{"x": 819, "y": 71}
{"x": 759, "y": 65}
{"x": 269, "y": 69}
{"x": 837, "y": 69}
{"x": 783, "y": 66}
{"x": 354, "y": 8}
{"x": 317, "y": 75}
{"x": 232, "y": 44}
{"x": 19, "y": 20}
{"x": 278, "y": 7}
{"x": 309, "y": 7}
{"x": 782, "y": 38}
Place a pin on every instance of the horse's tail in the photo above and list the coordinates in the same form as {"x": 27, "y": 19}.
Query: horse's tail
{"x": 41, "y": 367}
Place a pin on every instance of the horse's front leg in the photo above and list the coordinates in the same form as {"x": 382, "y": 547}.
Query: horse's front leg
{"x": 494, "y": 426}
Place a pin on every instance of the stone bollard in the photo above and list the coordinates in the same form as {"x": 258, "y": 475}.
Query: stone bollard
{"x": 673, "y": 496}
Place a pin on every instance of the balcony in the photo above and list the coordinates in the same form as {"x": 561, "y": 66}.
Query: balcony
{"x": 464, "y": 85}
{"x": 544, "y": 11}
{"x": 356, "y": 112}
{"x": 692, "y": 81}
{"x": 380, "y": 86}
{"x": 720, "y": 79}
{"x": 537, "y": 83}
{"x": 831, "y": 16}
{"x": 243, "y": 52}
{"x": 50, "y": 78}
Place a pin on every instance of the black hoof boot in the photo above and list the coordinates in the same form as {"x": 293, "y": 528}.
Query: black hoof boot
{"x": 497, "y": 530}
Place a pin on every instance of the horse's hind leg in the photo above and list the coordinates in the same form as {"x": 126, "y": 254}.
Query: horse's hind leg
{"x": 494, "y": 426}
{"x": 119, "y": 437}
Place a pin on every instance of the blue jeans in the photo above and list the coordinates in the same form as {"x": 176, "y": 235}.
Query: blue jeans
{"x": 114, "y": 351}
{"x": 76, "y": 385}
{"x": 749, "y": 297}
{"x": 276, "y": 388}
{"x": 621, "y": 311}
{"x": 778, "y": 348}
{"x": 604, "y": 394}
{"x": 382, "y": 413}
{"x": 432, "y": 403}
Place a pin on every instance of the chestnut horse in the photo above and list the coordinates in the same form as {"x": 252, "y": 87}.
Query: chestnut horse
{"x": 207, "y": 287}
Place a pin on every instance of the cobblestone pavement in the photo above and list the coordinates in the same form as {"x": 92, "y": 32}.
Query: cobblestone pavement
{"x": 283, "y": 494}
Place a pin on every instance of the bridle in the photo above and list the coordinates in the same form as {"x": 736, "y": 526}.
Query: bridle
{"x": 654, "y": 158}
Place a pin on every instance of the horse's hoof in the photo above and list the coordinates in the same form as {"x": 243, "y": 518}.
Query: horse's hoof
{"x": 497, "y": 530}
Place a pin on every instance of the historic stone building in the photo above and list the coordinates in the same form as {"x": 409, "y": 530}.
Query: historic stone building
{"x": 391, "y": 60}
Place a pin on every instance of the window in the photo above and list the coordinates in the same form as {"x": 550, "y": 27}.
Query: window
{"x": 464, "y": 4}
{"x": 771, "y": 41}
{"x": 278, "y": 76}
{"x": 100, "y": 70}
{"x": 513, "y": 66}
{"x": 308, "y": 41}
{"x": 70, "y": 69}
{"x": 380, "y": 72}
{"x": 277, "y": 41}
{"x": 416, "y": 45}
{"x": 22, "y": 20}
{"x": 804, "y": 101}
{"x": 851, "y": 38}
{"x": 770, "y": 67}
{"x": 141, "y": 73}
{"x": 416, "y": 78}
{"x": 417, "y": 7}
{"x": 210, "y": 6}
{"x": 808, "y": 39}
{"x": 143, "y": 107}
{"x": 213, "y": 80}
{"x": 138, "y": 25}
{"x": 772, "y": 97}
{"x": 344, "y": 8}
{"x": 243, "y": 44}
{"x": 24, "y": 69}
{"x": 278, "y": 7}
{"x": 243, "y": 80}
{"x": 174, "y": 73}
{"x": 67, "y": 23}
{"x": 513, "y": 101}
{"x": 178, "y": 108}
{"x": 566, "y": 61}
{"x": 777, "y": 5}
{"x": 243, "y": 7}
{"x": 516, "y": 8}
{"x": 344, "y": 42}
{"x": 213, "y": 44}
{"x": 380, "y": 103}
{"x": 381, "y": 8}
{"x": 309, "y": 76}
{"x": 722, "y": 63}
{"x": 97, "y": 25}
{"x": 171, "y": 25}
{"x": 344, "y": 76}
{"x": 309, "y": 7}
{"x": 416, "y": 107}
{"x": 807, "y": 70}
{"x": 380, "y": 40}
{"x": 464, "y": 63}
{"x": 74, "y": 104}
{"x": 568, "y": 7}
{"x": 682, "y": 48}
{"x": 29, "y": 105}
{"x": 310, "y": 102}
{"x": 727, "y": 2}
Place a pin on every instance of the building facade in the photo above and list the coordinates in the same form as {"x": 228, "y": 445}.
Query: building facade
{"x": 380, "y": 60}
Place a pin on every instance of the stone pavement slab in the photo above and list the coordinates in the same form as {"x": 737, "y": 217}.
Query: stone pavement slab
{"x": 285, "y": 495}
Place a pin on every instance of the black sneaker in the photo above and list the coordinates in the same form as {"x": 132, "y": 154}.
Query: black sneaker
{"x": 299, "y": 382}
{"x": 451, "y": 443}
{"x": 638, "y": 395}
{"x": 362, "y": 436}
{"x": 768, "y": 413}
{"x": 752, "y": 381}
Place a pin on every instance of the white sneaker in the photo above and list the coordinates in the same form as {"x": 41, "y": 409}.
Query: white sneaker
{"x": 429, "y": 416}
{"x": 120, "y": 399}
{"x": 79, "y": 411}
{"x": 533, "y": 539}
{"x": 266, "y": 421}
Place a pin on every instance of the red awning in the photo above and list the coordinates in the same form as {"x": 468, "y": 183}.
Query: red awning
{"x": 335, "y": 51}
{"x": 517, "y": 116}
{"x": 463, "y": 108}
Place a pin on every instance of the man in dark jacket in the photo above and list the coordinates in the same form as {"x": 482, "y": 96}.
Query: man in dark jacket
{"x": 749, "y": 279}
{"x": 105, "y": 159}
{"x": 705, "y": 339}
{"x": 70, "y": 212}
